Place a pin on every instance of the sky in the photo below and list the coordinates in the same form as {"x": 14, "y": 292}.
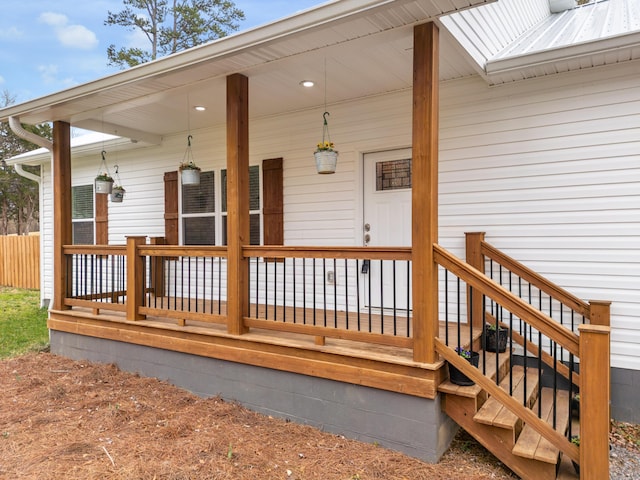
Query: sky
{"x": 47, "y": 46}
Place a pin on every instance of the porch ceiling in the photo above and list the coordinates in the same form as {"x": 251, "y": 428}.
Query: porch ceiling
{"x": 364, "y": 47}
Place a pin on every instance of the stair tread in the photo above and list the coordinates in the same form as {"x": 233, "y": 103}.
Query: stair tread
{"x": 531, "y": 444}
{"x": 496, "y": 414}
{"x": 474, "y": 390}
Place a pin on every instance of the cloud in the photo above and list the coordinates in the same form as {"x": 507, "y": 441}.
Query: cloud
{"x": 48, "y": 73}
{"x": 75, "y": 36}
{"x": 11, "y": 33}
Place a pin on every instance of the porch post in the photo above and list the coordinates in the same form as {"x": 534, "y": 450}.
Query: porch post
{"x": 237, "y": 201}
{"x": 595, "y": 377}
{"x": 476, "y": 260}
{"x": 62, "y": 232}
{"x": 424, "y": 221}
{"x": 135, "y": 278}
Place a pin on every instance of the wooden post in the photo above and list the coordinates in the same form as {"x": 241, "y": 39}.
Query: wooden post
{"x": 475, "y": 308}
{"x": 62, "y": 232}
{"x": 135, "y": 278}
{"x": 237, "y": 201}
{"x": 424, "y": 193}
{"x": 157, "y": 280}
{"x": 595, "y": 377}
{"x": 600, "y": 312}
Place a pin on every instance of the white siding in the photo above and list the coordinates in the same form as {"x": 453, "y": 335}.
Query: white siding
{"x": 548, "y": 168}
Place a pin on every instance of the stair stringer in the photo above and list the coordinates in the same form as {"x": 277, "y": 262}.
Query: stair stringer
{"x": 497, "y": 440}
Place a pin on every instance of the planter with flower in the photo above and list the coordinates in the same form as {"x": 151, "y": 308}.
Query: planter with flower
{"x": 575, "y": 439}
{"x": 189, "y": 171}
{"x": 326, "y": 155}
{"x": 495, "y": 337}
{"x": 326, "y": 158}
{"x": 103, "y": 183}
{"x": 117, "y": 193}
{"x": 455, "y": 375}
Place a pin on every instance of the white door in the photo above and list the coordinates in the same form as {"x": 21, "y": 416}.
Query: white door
{"x": 387, "y": 222}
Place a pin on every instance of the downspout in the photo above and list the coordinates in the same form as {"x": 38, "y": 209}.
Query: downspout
{"x": 16, "y": 127}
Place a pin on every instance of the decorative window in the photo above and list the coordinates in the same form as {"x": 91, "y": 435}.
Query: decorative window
{"x": 82, "y": 215}
{"x": 393, "y": 175}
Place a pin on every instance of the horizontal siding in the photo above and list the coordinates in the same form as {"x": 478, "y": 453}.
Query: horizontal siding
{"x": 548, "y": 168}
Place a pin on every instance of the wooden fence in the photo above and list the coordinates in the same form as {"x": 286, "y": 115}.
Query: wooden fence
{"x": 20, "y": 261}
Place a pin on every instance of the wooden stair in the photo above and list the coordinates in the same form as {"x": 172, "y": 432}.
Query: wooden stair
{"x": 517, "y": 445}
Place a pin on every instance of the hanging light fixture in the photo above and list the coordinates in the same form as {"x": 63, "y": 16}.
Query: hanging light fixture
{"x": 189, "y": 171}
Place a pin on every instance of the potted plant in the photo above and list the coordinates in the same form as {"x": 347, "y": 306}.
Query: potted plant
{"x": 103, "y": 183}
{"x": 495, "y": 337}
{"x": 575, "y": 439}
{"x": 189, "y": 173}
{"x": 326, "y": 157}
{"x": 455, "y": 375}
{"x": 117, "y": 193}
{"x": 575, "y": 405}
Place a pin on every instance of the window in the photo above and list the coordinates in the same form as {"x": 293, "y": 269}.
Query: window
{"x": 202, "y": 217}
{"x": 82, "y": 214}
{"x": 254, "y": 205}
{"x": 198, "y": 211}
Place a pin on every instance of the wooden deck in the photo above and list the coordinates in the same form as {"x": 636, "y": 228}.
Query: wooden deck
{"x": 375, "y": 365}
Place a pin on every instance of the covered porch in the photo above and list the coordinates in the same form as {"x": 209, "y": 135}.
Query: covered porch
{"x": 317, "y": 311}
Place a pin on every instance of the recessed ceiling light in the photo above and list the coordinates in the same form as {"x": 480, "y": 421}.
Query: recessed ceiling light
{"x": 200, "y": 108}
{"x": 307, "y": 83}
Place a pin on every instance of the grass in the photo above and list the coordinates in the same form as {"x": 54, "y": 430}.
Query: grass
{"x": 23, "y": 324}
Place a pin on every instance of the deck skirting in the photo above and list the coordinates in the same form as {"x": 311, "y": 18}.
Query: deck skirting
{"x": 403, "y": 422}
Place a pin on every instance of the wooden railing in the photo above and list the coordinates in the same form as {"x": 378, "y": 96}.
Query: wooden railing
{"x": 544, "y": 336}
{"x": 317, "y": 291}
{"x": 360, "y": 294}
{"x": 20, "y": 261}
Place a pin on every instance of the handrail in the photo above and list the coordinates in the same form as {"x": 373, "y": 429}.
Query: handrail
{"x": 535, "y": 279}
{"x": 179, "y": 250}
{"x": 530, "y": 418}
{"x": 94, "y": 249}
{"x": 474, "y": 278}
{"x": 360, "y": 253}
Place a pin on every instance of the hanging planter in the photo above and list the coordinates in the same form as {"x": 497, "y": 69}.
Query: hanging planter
{"x": 103, "y": 181}
{"x": 326, "y": 156}
{"x": 117, "y": 194}
{"x": 189, "y": 171}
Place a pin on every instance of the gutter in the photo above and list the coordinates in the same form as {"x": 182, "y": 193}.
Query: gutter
{"x": 16, "y": 127}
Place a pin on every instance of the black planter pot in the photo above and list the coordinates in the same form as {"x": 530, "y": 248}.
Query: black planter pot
{"x": 459, "y": 378}
{"x": 495, "y": 340}
{"x": 576, "y": 467}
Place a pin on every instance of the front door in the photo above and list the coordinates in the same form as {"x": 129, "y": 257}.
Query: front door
{"x": 387, "y": 222}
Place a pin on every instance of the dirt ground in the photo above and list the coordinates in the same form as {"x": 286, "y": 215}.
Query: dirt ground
{"x": 74, "y": 420}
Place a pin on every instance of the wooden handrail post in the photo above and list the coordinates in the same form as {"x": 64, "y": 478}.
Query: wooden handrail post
{"x": 594, "y": 401}
{"x": 157, "y": 279}
{"x": 135, "y": 278}
{"x": 600, "y": 312}
{"x": 473, "y": 242}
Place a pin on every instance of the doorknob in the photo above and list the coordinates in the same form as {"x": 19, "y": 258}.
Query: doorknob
{"x": 367, "y": 227}
{"x": 367, "y": 238}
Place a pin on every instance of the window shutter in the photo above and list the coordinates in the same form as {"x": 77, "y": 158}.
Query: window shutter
{"x": 171, "y": 207}
{"x": 102, "y": 219}
{"x": 272, "y": 202}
